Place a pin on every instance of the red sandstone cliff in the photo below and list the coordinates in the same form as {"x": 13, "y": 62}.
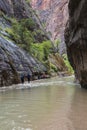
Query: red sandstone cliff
{"x": 54, "y": 14}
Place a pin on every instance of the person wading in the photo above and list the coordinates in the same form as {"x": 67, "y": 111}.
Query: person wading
{"x": 28, "y": 78}
{"x": 22, "y": 78}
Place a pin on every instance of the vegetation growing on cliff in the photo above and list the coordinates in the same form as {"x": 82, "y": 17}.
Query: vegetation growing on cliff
{"x": 66, "y": 61}
{"x": 41, "y": 50}
{"x": 27, "y": 34}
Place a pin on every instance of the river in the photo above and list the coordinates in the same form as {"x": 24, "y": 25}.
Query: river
{"x": 50, "y": 104}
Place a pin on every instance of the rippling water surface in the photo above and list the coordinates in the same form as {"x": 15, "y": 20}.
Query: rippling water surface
{"x": 51, "y": 104}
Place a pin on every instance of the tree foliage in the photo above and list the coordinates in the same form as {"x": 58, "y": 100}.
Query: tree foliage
{"x": 41, "y": 50}
{"x": 27, "y": 35}
{"x": 66, "y": 61}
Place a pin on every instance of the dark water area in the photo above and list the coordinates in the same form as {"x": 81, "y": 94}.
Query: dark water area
{"x": 51, "y": 104}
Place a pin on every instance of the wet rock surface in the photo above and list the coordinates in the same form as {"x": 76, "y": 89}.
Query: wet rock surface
{"x": 76, "y": 39}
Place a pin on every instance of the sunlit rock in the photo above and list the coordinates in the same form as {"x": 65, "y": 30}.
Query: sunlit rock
{"x": 54, "y": 15}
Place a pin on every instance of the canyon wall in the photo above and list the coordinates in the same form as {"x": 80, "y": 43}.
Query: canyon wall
{"x": 53, "y": 14}
{"x": 14, "y": 61}
{"x": 76, "y": 39}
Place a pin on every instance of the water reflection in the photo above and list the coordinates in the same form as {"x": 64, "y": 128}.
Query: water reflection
{"x": 78, "y": 113}
{"x": 55, "y": 104}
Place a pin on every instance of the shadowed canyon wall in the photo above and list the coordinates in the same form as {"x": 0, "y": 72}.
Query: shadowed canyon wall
{"x": 76, "y": 39}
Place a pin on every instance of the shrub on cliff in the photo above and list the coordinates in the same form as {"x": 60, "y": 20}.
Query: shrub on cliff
{"x": 66, "y": 61}
{"x": 41, "y": 50}
{"x": 25, "y": 32}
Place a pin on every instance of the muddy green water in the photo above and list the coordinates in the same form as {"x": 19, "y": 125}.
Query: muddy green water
{"x": 51, "y": 104}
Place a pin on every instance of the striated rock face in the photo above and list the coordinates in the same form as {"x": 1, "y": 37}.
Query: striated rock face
{"x": 54, "y": 14}
{"x": 76, "y": 39}
{"x": 17, "y": 8}
{"x": 13, "y": 60}
{"x": 20, "y": 9}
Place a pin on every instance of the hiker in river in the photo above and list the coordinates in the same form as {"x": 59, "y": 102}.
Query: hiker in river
{"x": 28, "y": 77}
{"x": 22, "y": 78}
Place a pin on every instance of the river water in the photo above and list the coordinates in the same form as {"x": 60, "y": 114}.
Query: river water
{"x": 50, "y": 104}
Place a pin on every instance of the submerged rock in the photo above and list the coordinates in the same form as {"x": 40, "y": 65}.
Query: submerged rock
{"x": 76, "y": 39}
